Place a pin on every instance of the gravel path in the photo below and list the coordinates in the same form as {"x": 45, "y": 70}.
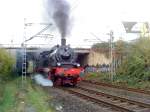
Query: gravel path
{"x": 65, "y": 102}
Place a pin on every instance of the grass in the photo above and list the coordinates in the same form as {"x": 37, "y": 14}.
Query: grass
{"x": 132, "y": 82}
{"x": 15, "y": 99}
{"x": 38, "y": 99}
{"x": 8, "y": 101}
{"x": 120, "y": 80}
{"x": 103, "y": 77}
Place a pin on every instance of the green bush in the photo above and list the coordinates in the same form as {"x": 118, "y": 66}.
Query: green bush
{"x": 6, "y": 64}
{"x": 137, "y": 63}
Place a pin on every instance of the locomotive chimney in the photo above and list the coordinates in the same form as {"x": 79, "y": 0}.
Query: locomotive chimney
{"x": 63, "y": 41}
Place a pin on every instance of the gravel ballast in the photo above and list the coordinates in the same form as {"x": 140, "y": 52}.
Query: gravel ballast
{"x": 64, "y": 102}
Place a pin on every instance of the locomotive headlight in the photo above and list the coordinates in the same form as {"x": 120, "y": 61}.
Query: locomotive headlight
{"x": 58, "y": 64}
{"x": 78, "y": 65}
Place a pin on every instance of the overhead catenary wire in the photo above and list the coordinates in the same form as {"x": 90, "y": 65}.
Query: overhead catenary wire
{"x": 97, "y": 37}
{"x": 44, "y": 29}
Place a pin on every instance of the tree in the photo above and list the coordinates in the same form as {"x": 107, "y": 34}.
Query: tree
{"x": 144, "y": 31}
{"x": 137, "y": 63}
{"x": 6, "y": 63}
{"x": 101, "y": 47}
{"x": 104, "y": 45}
{"x": 121, "y": 49}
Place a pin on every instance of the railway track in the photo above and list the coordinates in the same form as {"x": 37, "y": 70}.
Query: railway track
{"x": 118, "y": 87}
{"x": 109, "y": 101}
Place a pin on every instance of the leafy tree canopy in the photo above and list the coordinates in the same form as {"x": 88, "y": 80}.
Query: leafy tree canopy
{"x": 137, "y": 62}
{"x": 6, "y": 63}
{"x": 101, "y": 45}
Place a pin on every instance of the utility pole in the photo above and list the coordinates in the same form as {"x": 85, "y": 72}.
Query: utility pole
{"x": 24, "y": 60}
{"x": 112, "y": 60}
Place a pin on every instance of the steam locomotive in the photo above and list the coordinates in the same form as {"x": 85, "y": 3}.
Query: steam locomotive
{"x": 60, "y": 65}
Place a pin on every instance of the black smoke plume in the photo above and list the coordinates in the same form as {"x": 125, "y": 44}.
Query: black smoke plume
{"x": 60, "y": 11}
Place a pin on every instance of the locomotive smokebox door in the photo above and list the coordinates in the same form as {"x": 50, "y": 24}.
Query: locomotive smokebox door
{"x": 63, "y": 41}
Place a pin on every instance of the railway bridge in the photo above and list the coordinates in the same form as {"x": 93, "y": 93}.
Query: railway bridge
{"x": 85, "y": 55}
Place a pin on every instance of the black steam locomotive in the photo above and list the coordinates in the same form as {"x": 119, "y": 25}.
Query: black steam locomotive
{"x": 60, "y": 65}
{"x": 57, "y": 55}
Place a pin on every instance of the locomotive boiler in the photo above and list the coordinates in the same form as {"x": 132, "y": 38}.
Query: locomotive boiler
{"x": 60, "y": 63}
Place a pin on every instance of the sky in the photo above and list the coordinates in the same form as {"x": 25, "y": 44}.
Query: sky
{"x": 91, "y": 19}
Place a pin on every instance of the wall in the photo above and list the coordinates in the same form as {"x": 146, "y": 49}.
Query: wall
{"x": 95, "y": 58}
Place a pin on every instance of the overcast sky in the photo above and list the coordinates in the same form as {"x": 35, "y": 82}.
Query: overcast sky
{"x": 88, "y": 17}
